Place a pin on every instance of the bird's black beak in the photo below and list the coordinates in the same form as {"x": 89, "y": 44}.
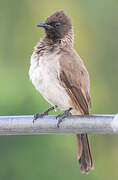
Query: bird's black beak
{"x": 44, "y": 25}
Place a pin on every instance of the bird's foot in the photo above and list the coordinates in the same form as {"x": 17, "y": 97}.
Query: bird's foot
{"x": 60, "y": 117}
{"x": 39, "y": 115}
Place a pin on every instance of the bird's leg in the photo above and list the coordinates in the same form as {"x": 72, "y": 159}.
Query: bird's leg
{"x": 60, "y": 117}
{"x": 39, "y": 115}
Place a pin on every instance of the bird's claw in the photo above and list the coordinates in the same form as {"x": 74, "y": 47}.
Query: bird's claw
{"x": 40, "y": 115}
{"x": 60, "y": 117}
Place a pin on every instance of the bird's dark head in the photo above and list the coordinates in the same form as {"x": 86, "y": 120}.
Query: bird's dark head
{"x": 57, "y": 25}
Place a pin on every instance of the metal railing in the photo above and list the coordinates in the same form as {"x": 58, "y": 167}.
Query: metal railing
{"x": 97, "y": 124}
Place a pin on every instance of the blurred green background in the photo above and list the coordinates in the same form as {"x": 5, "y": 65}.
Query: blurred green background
{"x": 50, "y": 157}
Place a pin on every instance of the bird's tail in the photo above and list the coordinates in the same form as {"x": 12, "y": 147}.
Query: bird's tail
{"x": 84, "y": 156}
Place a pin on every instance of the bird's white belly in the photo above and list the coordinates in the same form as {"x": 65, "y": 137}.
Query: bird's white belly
{"x": 45, "y": 79}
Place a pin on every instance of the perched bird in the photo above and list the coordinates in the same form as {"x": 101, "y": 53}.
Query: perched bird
{"x": 59, "y": 74}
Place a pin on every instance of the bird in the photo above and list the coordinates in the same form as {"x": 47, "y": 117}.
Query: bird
{"x": 59, "y": 74}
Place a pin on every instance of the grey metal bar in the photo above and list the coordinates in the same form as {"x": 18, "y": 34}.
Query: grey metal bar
{"x": 95, "y": 124}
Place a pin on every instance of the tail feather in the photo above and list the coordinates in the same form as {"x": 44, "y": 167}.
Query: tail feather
{"x": 84, "y": 154}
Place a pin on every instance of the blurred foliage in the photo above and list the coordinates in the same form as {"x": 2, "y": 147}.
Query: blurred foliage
{"x": 96, "y": 40}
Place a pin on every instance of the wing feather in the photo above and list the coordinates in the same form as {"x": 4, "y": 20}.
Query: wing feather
{"x": 75, "y": 79}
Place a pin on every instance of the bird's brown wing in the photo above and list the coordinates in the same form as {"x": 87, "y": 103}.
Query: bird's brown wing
{"x": 75, "y": 79}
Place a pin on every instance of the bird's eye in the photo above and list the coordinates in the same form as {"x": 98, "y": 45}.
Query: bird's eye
{"x": 57, "y": 25}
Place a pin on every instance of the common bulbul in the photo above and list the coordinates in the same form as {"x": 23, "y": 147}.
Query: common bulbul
{"x": 59, "y": 74}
